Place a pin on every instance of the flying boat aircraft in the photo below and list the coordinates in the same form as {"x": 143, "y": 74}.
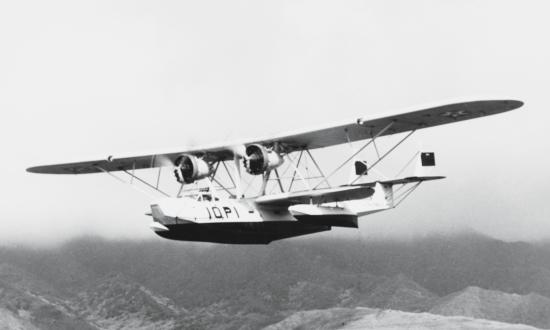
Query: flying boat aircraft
{"x": 214, "y": 201}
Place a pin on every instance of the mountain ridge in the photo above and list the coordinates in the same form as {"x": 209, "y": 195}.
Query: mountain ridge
{"x": 368, "y": 318}
{"x": 162, "y": 284}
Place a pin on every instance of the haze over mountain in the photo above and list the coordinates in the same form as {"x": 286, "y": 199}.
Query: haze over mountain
{"x": 93, "y": 283}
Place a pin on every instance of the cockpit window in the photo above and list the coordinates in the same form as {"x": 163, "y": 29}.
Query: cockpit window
{"x": 205, "y": 197}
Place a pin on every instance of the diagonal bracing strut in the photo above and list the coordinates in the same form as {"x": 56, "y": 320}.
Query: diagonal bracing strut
{"x": 383, "y": 156}
{"x": 355, "y": 154}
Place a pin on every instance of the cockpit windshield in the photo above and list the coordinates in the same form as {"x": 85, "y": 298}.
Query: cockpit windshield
{"x": 206, "y": 197}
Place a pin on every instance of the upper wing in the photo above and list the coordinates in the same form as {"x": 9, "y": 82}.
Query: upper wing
{"x": 365, "y": 128}
{"x": 354, "y": 130}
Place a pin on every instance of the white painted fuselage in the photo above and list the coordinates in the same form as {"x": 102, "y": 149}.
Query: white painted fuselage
{"x": 205, "y": 218}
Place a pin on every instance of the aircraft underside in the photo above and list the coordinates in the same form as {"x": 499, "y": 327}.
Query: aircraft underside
{"x": 240, "y": 233}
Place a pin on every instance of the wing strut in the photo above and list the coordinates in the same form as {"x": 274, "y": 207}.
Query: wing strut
{"x": 279, "y": 180}
{"x": 355, "y": 153}
{"x": 265, "y": 179}
{"x": 383, "y": 156}
{"x": 295, "y": 168}
{"x": 229, "y": 173}
{"x": 180, "y": 190}
{"x": 133, "y": 176}
{"x": 158, "y": 177}
{"x": 405, "y": 194}
{"x": 318, "y": 167}
{"x": 297, "y": 172}
{"x": 239, "y": 183}
{"x": 125, "y": 182}
{"x": 407, "y": 164}
{"x": 222, "y": 186}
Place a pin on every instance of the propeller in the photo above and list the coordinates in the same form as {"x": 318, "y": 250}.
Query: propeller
{"x": 239, "y": 151}
{"x": 163, "y": 161}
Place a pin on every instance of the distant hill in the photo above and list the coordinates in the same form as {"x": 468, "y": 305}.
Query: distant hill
{"x": 92, "y": 283}
{"x": 27, "y": 303}
{"x": 366, "y": 318}
{"x": 531, "y": 309}
{"x": 401, "y": 293}
{"x": 116, "y": 300}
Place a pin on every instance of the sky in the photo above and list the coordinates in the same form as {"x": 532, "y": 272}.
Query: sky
{"x": 88, "y": 79}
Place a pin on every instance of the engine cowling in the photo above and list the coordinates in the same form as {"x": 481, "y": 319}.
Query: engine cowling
{"x": 190, "y": 168}
{"x": 259, "y": 159}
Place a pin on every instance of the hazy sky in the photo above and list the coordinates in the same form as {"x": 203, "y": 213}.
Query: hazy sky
{"x": 81, "y": 79}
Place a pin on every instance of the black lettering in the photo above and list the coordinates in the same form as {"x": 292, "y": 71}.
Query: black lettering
{"x": 217, "y": 212}
{"x": 209, "y": 214}
{"x": 227, "y": 210}
{"x": 237, "y": 212}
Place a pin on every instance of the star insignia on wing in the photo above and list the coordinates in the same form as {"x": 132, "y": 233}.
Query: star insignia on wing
{"x": 455, "y": 114}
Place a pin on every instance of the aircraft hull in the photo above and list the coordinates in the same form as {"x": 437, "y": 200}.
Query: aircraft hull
{"x": 239, "y": 233}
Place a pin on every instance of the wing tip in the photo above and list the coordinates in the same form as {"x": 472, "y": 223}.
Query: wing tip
{"x": 512, "y": 104}
{"x": 54, "y": 169}
{"x": 496, "y": 104}
{"x": 33, "y": 169}
{"x": 42, "y": 170}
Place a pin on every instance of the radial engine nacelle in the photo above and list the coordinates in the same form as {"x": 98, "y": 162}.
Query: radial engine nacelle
{"x": 259, "y": 159}
{"x": 189, "y": 168}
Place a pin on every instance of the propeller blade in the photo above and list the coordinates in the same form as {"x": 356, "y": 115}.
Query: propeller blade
{"x": 239, "y": 150}
{"x": 163, "y": 161}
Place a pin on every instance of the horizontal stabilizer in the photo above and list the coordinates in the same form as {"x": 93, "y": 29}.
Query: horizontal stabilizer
{"x": 410, "y": 179}
{"x": 318, "y": 196}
